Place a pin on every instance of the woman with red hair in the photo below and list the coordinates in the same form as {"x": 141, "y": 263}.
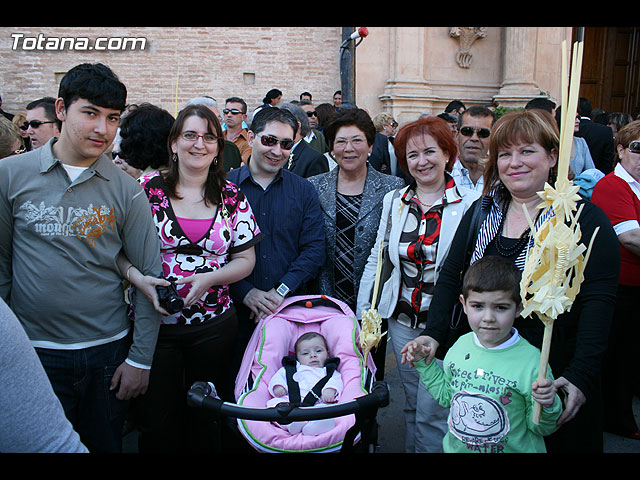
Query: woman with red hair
{"x": 422, "y": 219}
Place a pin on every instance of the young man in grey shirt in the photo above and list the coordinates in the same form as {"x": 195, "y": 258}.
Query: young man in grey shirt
{"x": 66, "y": 212}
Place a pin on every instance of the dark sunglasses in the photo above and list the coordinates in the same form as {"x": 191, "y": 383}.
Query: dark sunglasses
{"x": 115, "y": 154}
{"x": 34, "y": 124}
{"x": 482, "y": 132}
{"x": 272, "y": 141}
{"x": 312, "y": 114}
{"x": 232, "y": 111}
{"x": 634, "y": 147}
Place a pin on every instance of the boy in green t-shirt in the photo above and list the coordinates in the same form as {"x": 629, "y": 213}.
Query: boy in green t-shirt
{"x": 489, "y": 376}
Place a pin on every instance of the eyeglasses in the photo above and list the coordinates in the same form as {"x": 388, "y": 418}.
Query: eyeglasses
{"x": 634, "y": 147}
{"x": 482, "y": 132}
{"x": 341, "y": 143}
{"x": 232, "y": 111}
{"x": 193, "y": 137}
{"x": 35, "y": 124}
{"x": 115, "y": 154}
{"x": 312, "y": 114}
{"x": 272, "y": 141}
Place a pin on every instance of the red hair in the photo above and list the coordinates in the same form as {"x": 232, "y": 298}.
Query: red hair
{"x": 433, "y": 126}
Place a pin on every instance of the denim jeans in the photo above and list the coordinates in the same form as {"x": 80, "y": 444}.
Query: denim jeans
{"x": 425, "y": 419}
{"x": 81, "y": 379}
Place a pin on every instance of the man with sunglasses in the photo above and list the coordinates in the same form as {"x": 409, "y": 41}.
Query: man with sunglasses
{"x": 287, "y": 209}
{"x": 42, "y": 122}
{"x": 474, "y": 132}
{"x": 315, "y": 138}
{"x": 235, "y": 114}
{"x": 304, "y": 160}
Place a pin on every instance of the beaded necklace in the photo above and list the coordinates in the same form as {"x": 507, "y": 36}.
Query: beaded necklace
{"x": 508, "y": 251}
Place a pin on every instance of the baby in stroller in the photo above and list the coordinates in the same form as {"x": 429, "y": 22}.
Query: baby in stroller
{"x": 274, "y": 339}
{"x": 311, "y": 377}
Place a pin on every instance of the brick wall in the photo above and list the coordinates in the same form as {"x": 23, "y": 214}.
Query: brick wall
{"x": 216, "y": 61}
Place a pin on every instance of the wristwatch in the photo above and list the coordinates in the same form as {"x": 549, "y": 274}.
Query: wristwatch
{"x": 282, "y": 290}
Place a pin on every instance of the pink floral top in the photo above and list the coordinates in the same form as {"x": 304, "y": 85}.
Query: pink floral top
{"x": 183, "y": 257}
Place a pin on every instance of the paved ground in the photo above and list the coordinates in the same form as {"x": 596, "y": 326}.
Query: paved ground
{"x": 391, "y": 429}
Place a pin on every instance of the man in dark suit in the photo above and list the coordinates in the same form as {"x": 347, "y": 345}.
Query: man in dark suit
{"x": 304, "y": 160}
{"x": 380, "y": 158}
{"x": 599, "y": 138}
{"x": 315, "y": 138}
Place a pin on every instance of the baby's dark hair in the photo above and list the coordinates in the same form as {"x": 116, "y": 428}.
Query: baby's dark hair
{"x": 309, "y": 336}
{"x": 490, "y": 274}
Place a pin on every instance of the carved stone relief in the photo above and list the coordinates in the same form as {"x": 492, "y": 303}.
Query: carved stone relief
{"x": 466, "y": 36}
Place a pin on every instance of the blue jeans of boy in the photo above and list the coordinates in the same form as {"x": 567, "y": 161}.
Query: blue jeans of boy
{"x": 81, "y": 379}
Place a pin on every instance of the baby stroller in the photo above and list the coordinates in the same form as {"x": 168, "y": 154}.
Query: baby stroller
{"x": 274, "y": 338}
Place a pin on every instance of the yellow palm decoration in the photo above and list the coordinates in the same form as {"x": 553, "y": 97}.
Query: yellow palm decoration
{"x": 371, "y": 325}
{"x": 555, "y": 264}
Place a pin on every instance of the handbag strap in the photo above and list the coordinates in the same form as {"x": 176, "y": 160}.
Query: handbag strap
{"x": 396, "y": 193}
{"x": 384, "y": 244}
{"x": 479, "y": 214}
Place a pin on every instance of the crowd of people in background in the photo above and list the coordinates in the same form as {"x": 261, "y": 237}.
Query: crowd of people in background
{"x": 103, "y": 203}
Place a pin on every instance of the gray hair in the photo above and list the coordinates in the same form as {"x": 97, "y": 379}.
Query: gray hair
{"x": 206, "y": 101}
{"x": 300, "y": 115}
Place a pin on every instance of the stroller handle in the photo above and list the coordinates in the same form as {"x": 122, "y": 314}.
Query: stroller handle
{"x": 200, "y": 396}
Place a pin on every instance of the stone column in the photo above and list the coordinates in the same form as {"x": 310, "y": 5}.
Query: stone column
{"x": 407, "y": 93}
{"x": 518, "y": 67}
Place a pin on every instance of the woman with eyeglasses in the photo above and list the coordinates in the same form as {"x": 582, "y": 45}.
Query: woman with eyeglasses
{"x": 207, "y": 234}
{"x": 419, "y": 222}
{"x": 351, "y": 199}
{"x": 523, "y": 154}
{"x": 618, "y": 194}
{"x": 387, "y": 126}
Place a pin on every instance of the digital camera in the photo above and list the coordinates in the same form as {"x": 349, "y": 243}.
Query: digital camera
{"x": 169, "y": 298}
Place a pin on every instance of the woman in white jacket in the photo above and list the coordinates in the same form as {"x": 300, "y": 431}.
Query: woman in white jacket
{"x": 422, "y": 220}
